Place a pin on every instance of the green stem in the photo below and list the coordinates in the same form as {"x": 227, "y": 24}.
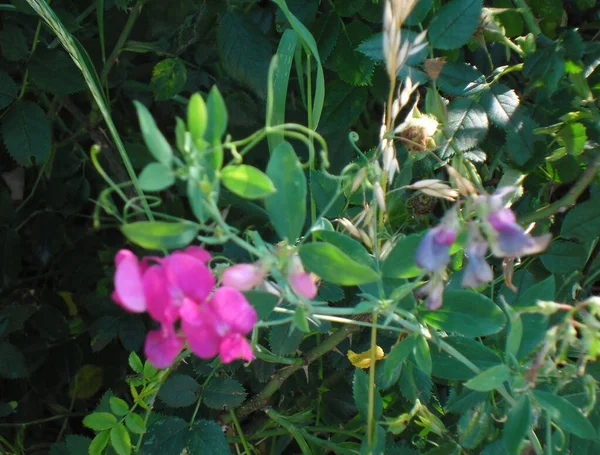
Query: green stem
{"x": 40, "y": 421}
{"x": 112, "y": 58}
{"x": 33, "y": 46}
{"x": 200, "y": 396}
{"x": 260, "y": 400}
{"x": 528, "y": 17}
{"x": 240, "y": 433}
{"x": 569, "y": 199}
{"x": 371, "y": 411}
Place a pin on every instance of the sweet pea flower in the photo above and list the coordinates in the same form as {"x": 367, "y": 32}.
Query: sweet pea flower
{"x": 129, "y": 290}
{"x": 162, "y": 346}
{"x": 300, "y": 281}
{"x": 243, "y": 277}
{"x": 219, "y": 326}
{"x": 478, "y": 271}
{"x": 433, "y": 253}
{"x": 433, "y": 292}
{"x": 510, "y": 239}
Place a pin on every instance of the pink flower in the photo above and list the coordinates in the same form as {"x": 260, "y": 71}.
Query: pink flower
{"x": 162, "y": 347}
{"x": 303, "y": 285}
{"x": 220, "y": 325}
{"x": 243, "y": 277}
{"x": 129, "y": 290}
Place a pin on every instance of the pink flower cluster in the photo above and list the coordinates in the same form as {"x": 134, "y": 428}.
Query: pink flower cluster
{"x": 178, "y": 292}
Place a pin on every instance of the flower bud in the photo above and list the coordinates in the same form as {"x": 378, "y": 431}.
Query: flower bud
{"x": 303, "y": 285}
{"x": 243, "y": 277}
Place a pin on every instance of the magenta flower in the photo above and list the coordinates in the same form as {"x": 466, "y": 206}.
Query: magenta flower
{"x": 162, "y": 346}
{"x": 478, "y": 271}
{"x": 510, "y": 239}
{"x": 219, "y": 327}
{"x": 129, "y": 290}
{"x": 243, "y": 277}
{"x": 433, "y": 253}
{"x": 299, "y": 280}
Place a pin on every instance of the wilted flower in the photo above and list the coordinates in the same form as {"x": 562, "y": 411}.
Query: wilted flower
{"x": 433, "y": 291}
{"x": 478, "y": 271}
{"x": 300, "y": 281}
{"x": 220, "y": 325}
{"x": 433, "y": 253}
{"x": 243, "y": 277}
{"x": 417, "y": 131}
{"x": 510, "y": 239}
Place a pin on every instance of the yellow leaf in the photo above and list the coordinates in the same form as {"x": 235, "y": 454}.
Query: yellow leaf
{"x": 363, "y": 360}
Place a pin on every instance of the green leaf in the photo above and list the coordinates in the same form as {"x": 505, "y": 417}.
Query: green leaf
{"x": 419, "y": 12}
{"x": 263, "y": 302}
{"x": 304, "y": 10}
{"x": 520, "y": 140}
{"x": 26, "y": 132}
{"x": 400, "y": 262}
{"x": 360, "y": 392}
{"x": 563, "y": 257}
{"x": 197, "y": 117}
{"x": 287, "y": 207}
{"x": 224, "y": 393}
{"x": 135, "y": 363}
{"x": 156, "y": 177}
{"x": 474, "y": 426}
{"x": 99, "y": 443}
{"x": 582, "y": 222}
{"x": 135, "y": 423}
{"x": 159, "y": 235}
{"x": 323, "y": 190}
{"x": 132, "y": 332}
{"x": 565, "y": 414}
{"x": 13, "y": 43}
{"x": 467, "y": 126}
{"x": 518, "y": 424}
{"x": 454, "y": 24}
{"x": 120, "y": 440}
{"x": 10, "y": 267}
{"x": 500, "y": 104}
{"x": 205, "y": 437}
{"x": 333, "y": 265}
{"x": 343, "y": 106}
{"x": 155, "y": 141}
{"x": 217, "y": 116}
{"x": 574, "y": 136}
{"x": 489, "y": 379}
{"x": 546, "y": 65}
{"x": 348, "y": 8}
{"x": 168, "y": 78}
{"x": 179, "y": 390}
{"x": 87, "y": 381}
{"x": 392, "y": 365}
{"x": 99, "y": 421}
{"x": 118, "y": 406}
{"x": 12, "y": 362}
{"x": 245, "y": 52}
{"x": 284, "y": 341}
{"x": 460, "y": 79}
{"x": 446, "y": 366}
{"x": 327, "y": 29}
{"x": 352, "y": 66}
{"x": 55, "y": 72}
{"x": 349, "y": 246}
{"x": 468, "y": 313}
{"x": 247, "y": 181}
{"x": 8, "y": 90}
{"x": 423, "y": 355}
{"x": 165, "y": 436}
{"x": 373, "y": 48}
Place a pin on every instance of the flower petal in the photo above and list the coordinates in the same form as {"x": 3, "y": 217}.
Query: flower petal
{"x": 199, "y": 253}
{"x": 233, "y": 347}
{"x": 158, "y": 297}
{"x": 433, "y": 253}
{"x": 189, "y": 275}
{"x": 128, "y": 282}
{"x": 201, "y": 335}
{"x": 242, "y": 277}
{"x": 303, "y": 285}
{"x": 161, "y": 349}
{"x": 231, "y": 308}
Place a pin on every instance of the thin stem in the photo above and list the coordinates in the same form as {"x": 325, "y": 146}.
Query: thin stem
{"x": 33, "y": 46}
{"x": 240, "y": 433}
{"x": 569, "y": 199}
{"x": 40, "y": 421}
{"x": 528, "y": 17}
{"x": 201, "y": 394}
{"x": 371, "y": 411}
{"x": 113, "y": 57}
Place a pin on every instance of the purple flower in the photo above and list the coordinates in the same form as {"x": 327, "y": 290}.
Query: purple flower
{"x": 511, "y": 240}
{"x": 478, "y": 271}
{"x": 433, "y": 253}
{"x": 433, "y": 291}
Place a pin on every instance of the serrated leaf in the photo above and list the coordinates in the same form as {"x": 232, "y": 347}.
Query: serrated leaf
{"x": 165, "y": 436}
{"x": 168, "y": 78}
{"x": 546, "y": 65}
{"x": 360, "y": 392}
{"x": 343, "y": 106}
{"x": 99, "y": 421}
{"x": 460, "y": 79}
{"x": 348, "y": 8}
{"x": 304, "y": 10}
{"x": 118, "y": 406}
{"x": 245, "y": 52}
{"x": 520, "y": 141}
{"x": 282, "y": 341}
{"x": 287, "y": 206}
{"x": 13, "y": 43}
{"x": 352, "y": 66}
{"x": 205, "y": 436}
{"x": 500, "y": 104}
{"x": 224, "y": 393}
{"x": 55, "y": 72}
{"x": 99, "y": 443}
{"x": 135, "y": 423}
{"x": 26, "y": 132}
{"x": 454, "y": 23}
{"x": 179, "y": 390}
{"x": 467, "y": 126}
{"x": 12, "y": 362}
{"x": 247, "y": 181}
{"x": 135, "y": 363}
{"x": 326, "y": 32}
{"x": 8, "y": 90}
{"x": 120, "y": 440}
{"x": 419, "y": 12}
